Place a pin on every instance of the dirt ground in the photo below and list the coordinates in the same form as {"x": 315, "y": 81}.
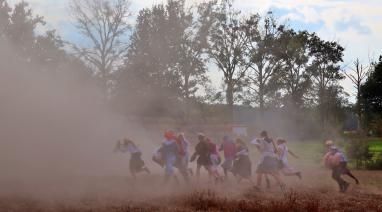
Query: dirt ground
{"x": 120, "y": 192}
{"x": 315, "y": 192}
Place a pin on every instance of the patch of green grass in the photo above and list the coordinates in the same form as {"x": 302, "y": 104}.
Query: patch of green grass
{"x": 375, "y": 145}
{"x": 309, "y": 152}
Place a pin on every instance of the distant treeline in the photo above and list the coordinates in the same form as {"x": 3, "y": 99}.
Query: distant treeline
{"x": 160, "y": 66}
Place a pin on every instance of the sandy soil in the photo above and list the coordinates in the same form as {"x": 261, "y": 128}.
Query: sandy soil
{"x": 315, "y": 192}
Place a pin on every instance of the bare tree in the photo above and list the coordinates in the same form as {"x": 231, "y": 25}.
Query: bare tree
{"x": 104, "y": 24}
{"x": 357, "y": 75}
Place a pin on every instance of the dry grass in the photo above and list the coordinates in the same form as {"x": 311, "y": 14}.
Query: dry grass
{"x": 291, "y": 201}
{"x": 316, "y": 192}
{"x": 210, "y": 200}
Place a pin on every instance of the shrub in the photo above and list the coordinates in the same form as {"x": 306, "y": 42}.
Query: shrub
{"x": 374, "y": 164}
{"x": 358, "y": 151}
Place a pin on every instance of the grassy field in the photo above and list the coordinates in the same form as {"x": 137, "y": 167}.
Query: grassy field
{"x": 210, "y": 200}
{"x": 148, "y": 194}
{"x": 315, "y": 192}
{"x": 375, "y": 145}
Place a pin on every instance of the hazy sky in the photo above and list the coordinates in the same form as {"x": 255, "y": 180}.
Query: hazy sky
{"x": 356, "y": 24}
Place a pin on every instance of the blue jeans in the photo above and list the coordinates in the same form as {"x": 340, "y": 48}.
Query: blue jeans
{"x": 170, "y": 162}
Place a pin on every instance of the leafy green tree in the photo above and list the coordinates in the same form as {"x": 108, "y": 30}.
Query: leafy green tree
{"x": 296, "y": 74}
{"x": 264, "y": 57}
{"x": 294, "y": 79}
{"x": 165, "y": 62}
{"x": 18, "y": 31}
{"x": 26, "y": 48}
{"x": 189, "y": 36}
{"x": 227, "y": 46}
{"x": 4, "y": 18}
{"x": 49, "y": 48}
{"x": 326, "y": 56}
{"x": 337, "y": 104}
{"x": 371, "y": 95}
{"x": 142, "y": 77}
{"x": 21, "y": 31}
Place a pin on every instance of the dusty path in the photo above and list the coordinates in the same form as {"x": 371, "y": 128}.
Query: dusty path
{"x": 149, "y": 194}
{"x": 118, "y": 192}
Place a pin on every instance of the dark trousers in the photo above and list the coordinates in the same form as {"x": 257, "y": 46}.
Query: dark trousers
{"x": 336, "y": 175}
{"x": 346, "y": 171}
{"x": 182, "y": 167}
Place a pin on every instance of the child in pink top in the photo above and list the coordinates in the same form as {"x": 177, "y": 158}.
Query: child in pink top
{"x": 229, "y": 149}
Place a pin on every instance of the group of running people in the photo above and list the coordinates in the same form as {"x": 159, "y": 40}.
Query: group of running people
{"x": 173, "y": 154}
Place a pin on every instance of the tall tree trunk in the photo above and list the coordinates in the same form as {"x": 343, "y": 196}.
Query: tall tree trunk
{"x": 187, "y": 98}
{"x": 104, "y": 75}
{"x": 358, "y": 108}
{"x": 186, "y": 87}
{"x": 261, "y": 101}
{"x": 104, "y": 80}
{"x": 261, "y": 90}
{"x": 229, "y": 98}
{"x": 321, "y": 108}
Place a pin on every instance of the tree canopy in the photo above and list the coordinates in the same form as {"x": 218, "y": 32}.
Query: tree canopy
{"x": 371, "y": 94}
{"x": 162, "y": 65}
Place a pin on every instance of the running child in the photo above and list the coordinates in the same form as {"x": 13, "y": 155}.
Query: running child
{"x": 229, "y": 149}
{"x": 202, "y": 155}
{"x": 332, "y": 160}
{"x": 268, "y": 163}
{"x": 136, "y": 164}
{"x": 345, "y": 170}
{"x": 215, "y": 160}
{"x": 169, "y": 153}
{"x": 283, "y": 152}
{"x": 242, "y": 166}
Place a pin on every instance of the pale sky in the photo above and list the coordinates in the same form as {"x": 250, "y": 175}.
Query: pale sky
{"x": 355, "y": 24}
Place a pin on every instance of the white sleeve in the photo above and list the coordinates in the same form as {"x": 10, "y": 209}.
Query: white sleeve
{"x": 255, "y": 141}
{"x": 242, "y": 152}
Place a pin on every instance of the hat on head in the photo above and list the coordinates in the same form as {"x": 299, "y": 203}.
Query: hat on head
{"x": 201, "y": 136}
{"x": 329, "y": 143}
{"x": 281, "y": 140}
{"x": 169, "y": 134}
{"x": 264, "y": 133}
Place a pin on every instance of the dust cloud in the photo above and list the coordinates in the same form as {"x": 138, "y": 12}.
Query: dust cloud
{"x": 57, "y": 137}
{"x": 55, "y": 129}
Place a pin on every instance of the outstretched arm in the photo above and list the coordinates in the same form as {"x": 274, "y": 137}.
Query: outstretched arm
{"x": 256, "y": 142}
{"x": 193, "y": 157}
{"x": 276, "y": 150}
{"x": 294, "y": 155}
{"x": 241, "y": 152}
